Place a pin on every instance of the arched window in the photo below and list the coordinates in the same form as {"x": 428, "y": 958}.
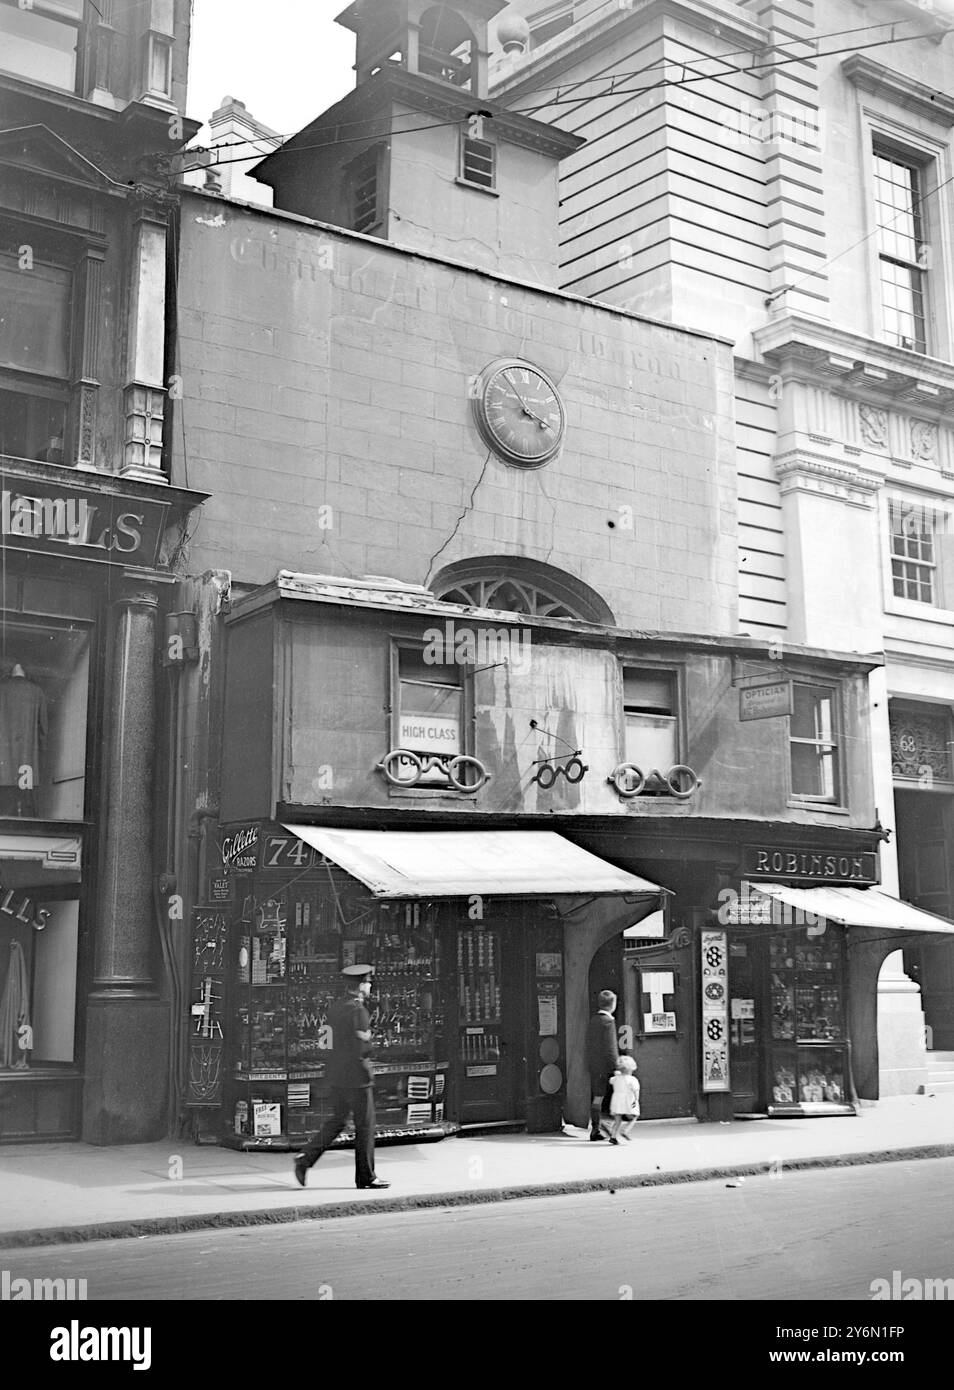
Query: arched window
{"x": 514, "y": 585}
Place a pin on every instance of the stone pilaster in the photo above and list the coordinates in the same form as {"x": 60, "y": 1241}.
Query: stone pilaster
{"x": 127, "y": 1023}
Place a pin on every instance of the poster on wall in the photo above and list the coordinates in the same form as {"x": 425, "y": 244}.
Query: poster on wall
{"x": 715, "y": 1005}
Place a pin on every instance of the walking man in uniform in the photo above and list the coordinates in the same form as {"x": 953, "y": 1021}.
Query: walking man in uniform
{"x": 602, "y": 1055}
{"x": 350, "y": 1077}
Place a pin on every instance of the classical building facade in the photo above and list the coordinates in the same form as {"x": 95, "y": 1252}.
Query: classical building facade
{"x": 478, "y": 705}
{"x": 93, "y": 99}
{"x": 794, "y": 194}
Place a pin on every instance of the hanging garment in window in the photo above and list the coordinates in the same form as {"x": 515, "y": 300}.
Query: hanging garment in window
{"x": 16, "y": 1034}
{"x": 23, "y": 726}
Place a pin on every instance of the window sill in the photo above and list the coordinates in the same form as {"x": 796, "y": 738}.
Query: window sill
{"x": 477, "y": 187}
{"x": 926, "y": 612}
{"x": 825, "y": 808}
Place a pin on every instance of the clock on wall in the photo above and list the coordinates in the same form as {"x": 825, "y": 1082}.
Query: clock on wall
{"x": 519, "y": 412}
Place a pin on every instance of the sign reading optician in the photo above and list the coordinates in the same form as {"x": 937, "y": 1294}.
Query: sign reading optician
{"x": 765, "y": 701}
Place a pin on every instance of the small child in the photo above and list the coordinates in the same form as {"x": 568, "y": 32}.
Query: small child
{"x": 624, "y": 1102}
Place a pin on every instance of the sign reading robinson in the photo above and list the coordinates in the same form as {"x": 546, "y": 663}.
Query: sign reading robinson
{"x": 813, "y": 865}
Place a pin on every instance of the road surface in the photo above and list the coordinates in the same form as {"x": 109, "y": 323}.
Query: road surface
{"x": 824, "y": 1234}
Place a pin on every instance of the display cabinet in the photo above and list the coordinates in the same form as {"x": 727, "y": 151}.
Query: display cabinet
{"x": 290, "y": 945}
{"x": 808, "y": 1057}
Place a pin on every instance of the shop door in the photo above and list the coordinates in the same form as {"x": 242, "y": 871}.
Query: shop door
{"x": 745, "y": 968}
{"x": 486, "y": 959}
{"x": 656, "y": 1004}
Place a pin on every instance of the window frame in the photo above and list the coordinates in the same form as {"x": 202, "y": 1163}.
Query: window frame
{"x": 465, "y": 141}
{"x": 918, "y": 271}
{"x": 882, "y": 130}
{"x": 46, "y": 9}
{"x": 806, "y": 800}
{"x": 81, "y": 253}
{"x": 941, "y": 610}
{"x": 415, "y": 646}
{"x": 373, "y": 153}
{"x": 662, "y": 671}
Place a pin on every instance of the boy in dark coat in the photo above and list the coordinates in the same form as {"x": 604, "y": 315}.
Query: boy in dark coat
{"x": 602, "y": 1055}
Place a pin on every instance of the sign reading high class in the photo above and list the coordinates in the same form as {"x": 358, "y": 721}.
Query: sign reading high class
{"x": 814, "y": 865}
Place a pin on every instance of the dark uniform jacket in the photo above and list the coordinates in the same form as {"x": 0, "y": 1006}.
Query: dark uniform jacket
{"x": 348, "y": 1064}
{"x": 602, "y": 1053}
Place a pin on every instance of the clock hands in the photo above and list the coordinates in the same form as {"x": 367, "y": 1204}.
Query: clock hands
{"x": 544, "y": 424}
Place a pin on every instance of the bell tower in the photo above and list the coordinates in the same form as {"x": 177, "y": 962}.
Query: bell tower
{"x": 448, "y": 42}
{"x": 417, "y": 154}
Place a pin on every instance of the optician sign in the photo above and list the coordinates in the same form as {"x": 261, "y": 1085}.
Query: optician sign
{"x": 765, "y": 701}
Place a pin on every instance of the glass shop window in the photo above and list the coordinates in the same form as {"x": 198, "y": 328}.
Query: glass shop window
{"x": 429, "y": 717}
{"x": 814, "y": 743}
{"x": 44, "y": 681}
{"x": 651, "y": 723}
{"x": 40, "y": 40}
{"x": 39, "y": 949}
{"x": 34, "y": 358}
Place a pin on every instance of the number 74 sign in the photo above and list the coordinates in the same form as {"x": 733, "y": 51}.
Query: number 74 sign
{"x": 281, "y": 850}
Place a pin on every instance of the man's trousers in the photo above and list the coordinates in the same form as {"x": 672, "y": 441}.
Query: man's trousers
{"x": 357, "y": 1101}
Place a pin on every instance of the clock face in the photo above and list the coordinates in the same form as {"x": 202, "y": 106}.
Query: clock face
{"x": 519, "y": 412}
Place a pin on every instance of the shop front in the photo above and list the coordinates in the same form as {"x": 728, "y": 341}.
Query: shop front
{"x": 79, "y": 602}
{"x": 476, "y": 937}
{"x": 789, "y": 981}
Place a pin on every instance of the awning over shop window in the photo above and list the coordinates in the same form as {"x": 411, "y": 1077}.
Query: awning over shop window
{"x": 846, "y": 907}
{"x": 458, "y": 863}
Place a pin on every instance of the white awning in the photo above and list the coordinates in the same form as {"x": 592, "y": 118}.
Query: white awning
{"x": 846, "y": 907}
{"x": 457, "y": 863}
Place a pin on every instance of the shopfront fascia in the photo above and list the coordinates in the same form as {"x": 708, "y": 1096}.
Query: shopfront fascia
{"x": 82, "y": 586}
{"x": 789, "y": 977}
{"x": 480, "y": 941}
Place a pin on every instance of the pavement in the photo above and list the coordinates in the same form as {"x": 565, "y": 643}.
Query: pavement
{"x": 56, "y": 1193}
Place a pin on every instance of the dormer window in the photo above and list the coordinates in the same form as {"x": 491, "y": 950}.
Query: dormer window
{"x": 478, "y": 162}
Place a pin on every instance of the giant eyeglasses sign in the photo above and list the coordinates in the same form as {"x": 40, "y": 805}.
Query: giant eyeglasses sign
{"x": 715, "y": 1003}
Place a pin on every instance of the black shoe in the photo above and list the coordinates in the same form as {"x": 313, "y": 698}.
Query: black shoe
{"x": 378, "y": 1182}
{"x": 613, "y": 1139}
{"x": 596, "y": 1134}
{"x": 301, "y": 1170}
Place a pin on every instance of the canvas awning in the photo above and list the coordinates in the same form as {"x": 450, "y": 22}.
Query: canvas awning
{"x": 846, "y": 907}
{"x": 458, "y": 863}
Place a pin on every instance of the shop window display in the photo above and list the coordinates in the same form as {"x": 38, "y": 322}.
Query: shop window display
{"x": 291, "y": 950}
{"x": 44, "y": 677}
{"x": 806, "y": 976}
{"x": 39, "y": 939}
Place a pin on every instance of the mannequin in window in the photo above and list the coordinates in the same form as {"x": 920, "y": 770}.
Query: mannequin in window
{"x": 53, "y": 453}
{"x": 23, "y": 726}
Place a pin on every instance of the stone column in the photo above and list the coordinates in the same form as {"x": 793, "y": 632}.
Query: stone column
{"x": 901, "y": 1036}
{"x": 127, "y": 1023}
